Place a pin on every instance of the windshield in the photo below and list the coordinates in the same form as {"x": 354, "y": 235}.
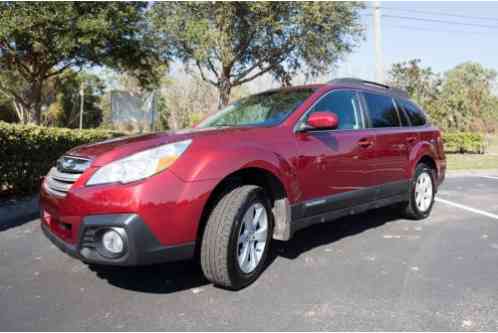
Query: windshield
{"x": 266, "y": 109}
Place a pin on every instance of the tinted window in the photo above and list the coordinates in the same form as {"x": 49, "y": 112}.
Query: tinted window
{"x": 264, "y": 109}
{"x": 417, "y": 116}
{"x": 402, "y": 115}
{"x": 381, "y": 111}
{"x": 344, "y": 104}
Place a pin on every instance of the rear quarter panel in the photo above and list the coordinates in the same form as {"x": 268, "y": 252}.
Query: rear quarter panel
{"x": 430, "y": 144}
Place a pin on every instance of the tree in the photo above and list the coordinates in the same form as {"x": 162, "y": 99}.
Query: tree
{"x": 467, "y": 99}
{"x": 42, "y": 40}
{"x": 421, "y": 83}
{"x": 232, "y": 43}
{"x": 188, "y": 99}
{"x": 7, "y": 112}
{"x": 460, "y": 100}
{"x": 65, "y": 109}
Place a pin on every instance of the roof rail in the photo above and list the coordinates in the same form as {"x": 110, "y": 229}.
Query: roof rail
{"x": 351, "y": 80}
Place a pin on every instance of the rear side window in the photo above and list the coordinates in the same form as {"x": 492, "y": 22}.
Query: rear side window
{"x": 417, "y": 116}
{"x": 381, "y": 110}
{"x": 344, "y": 104}
{"x": 403, "y": 117}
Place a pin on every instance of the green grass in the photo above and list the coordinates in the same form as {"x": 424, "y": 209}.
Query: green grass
{"x": 476, "y": 161}
{"x": 471, "y": 161}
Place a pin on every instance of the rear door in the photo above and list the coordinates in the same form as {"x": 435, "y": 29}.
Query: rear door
{"x": 412, "y": 118}
{"x": 334, "y": 165}
{"x": 390, "y": 164}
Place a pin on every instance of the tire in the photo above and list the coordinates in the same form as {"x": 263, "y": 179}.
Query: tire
{"x": 230, "y": 237}
{"x": 416, "y": 209}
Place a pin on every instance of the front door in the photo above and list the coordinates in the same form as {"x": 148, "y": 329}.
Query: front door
{"x": 334, "y": 165}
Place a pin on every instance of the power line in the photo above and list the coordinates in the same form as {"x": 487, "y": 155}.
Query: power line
{"x": 406, "y": 27}
{"x": 486, "y": 18}
{"x": 441, "y": 21}
{"x": 421, "y": 19}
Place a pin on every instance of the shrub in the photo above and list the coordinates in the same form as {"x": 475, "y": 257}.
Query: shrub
{"x": 27, "y": 152}
{"x": 464, "y": 142}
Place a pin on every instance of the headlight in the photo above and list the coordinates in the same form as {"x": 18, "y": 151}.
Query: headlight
{"x": 140, "y": 165}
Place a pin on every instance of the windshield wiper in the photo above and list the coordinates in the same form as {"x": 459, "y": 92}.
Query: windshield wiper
{"x": 223, "y": 125}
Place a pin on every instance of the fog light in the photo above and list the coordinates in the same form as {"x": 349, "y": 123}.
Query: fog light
{"x": 113, "y": 242}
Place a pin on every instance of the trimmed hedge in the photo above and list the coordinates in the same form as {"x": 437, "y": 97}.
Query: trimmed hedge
{"x": 27, "y": 152}
{"x": 464, "y": 142}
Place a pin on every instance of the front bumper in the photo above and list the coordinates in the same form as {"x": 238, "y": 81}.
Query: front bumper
{"x": 142, "y": 248}
{"x": 169, "y": 208}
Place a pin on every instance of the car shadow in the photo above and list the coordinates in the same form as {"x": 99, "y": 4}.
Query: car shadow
{"x": 17, "y": 212}
{"x": 158, "y": 279}
{"x": 14, "y": 222}
{"x": 173, "y": 277}
{"x": 332, "y": 231}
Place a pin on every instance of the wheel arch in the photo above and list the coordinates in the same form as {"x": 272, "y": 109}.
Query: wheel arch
{"x": 429, "y": 161}
{"x": 263, "y": 177}
{"x": 423, "y": 152}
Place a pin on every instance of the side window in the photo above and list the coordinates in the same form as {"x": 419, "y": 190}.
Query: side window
{"x": 405, "y": 122}
{"x": 344, "y": 104}
{"x": 381, "y": 110}
{"x": 417, "y": 116}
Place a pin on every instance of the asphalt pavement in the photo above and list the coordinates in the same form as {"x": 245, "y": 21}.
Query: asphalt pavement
{"x": 374, "y": 271}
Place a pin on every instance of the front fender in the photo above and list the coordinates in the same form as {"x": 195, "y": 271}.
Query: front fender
{"x": 218, "y": 163}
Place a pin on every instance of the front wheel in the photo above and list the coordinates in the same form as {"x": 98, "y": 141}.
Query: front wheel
{"x": 421, "y": 193}
{"x": 237, "y": 237}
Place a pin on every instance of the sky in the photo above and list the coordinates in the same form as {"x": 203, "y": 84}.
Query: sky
{"x": 439, "y": 45}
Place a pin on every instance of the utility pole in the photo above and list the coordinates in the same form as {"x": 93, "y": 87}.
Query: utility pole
{"x": 379, "y": 64}
{"x": 82, "y": 102}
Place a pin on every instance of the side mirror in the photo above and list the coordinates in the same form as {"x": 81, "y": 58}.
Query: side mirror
{"x": 322, "y": 120}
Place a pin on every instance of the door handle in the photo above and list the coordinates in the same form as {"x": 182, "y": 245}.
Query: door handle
{"x": 365, "y": 143}
{"x": 411, "y": 139}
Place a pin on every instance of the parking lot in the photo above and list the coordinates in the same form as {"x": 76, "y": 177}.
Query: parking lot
{"x": 373, "y": 271}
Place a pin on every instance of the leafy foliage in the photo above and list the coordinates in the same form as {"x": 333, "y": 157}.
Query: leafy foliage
{"x": 421, "y": 83}
{"x": 464, "y": 142}
{"x": 460, "y": 100}
{"x": 40, "y": 40}
{"x": 467, "y": 101}
{"x": 232, "y": 43}
{"x": 64, "y": 111}
{"x": 28, "y": 152}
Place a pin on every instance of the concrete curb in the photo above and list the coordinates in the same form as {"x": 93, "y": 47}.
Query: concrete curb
{"x": 19, "y": 211}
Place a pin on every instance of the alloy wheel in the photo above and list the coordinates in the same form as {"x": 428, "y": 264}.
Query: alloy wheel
{"x": 252, "y": 238}
{"x": 423, "y": 192}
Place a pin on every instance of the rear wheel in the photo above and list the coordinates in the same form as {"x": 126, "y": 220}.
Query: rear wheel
{"x": 237, "y": 237}
{"x": 421, "y": 193}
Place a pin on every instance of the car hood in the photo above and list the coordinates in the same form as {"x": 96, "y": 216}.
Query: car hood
{"x": 113, "y": 149}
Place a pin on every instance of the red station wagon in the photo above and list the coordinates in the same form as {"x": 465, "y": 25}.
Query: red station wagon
{"x": 261, "y": 169}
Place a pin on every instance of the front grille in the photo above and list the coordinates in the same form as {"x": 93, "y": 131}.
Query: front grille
{"x": 61, "y": 177}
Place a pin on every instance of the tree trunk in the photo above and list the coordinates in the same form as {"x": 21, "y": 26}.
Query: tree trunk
{"x": 20, "y": 111}
{"x": 173, "y": 120}
{"x": 36, "y": 102}
{"x": 224, "y": 90}
{"x": 36, "y": 113}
